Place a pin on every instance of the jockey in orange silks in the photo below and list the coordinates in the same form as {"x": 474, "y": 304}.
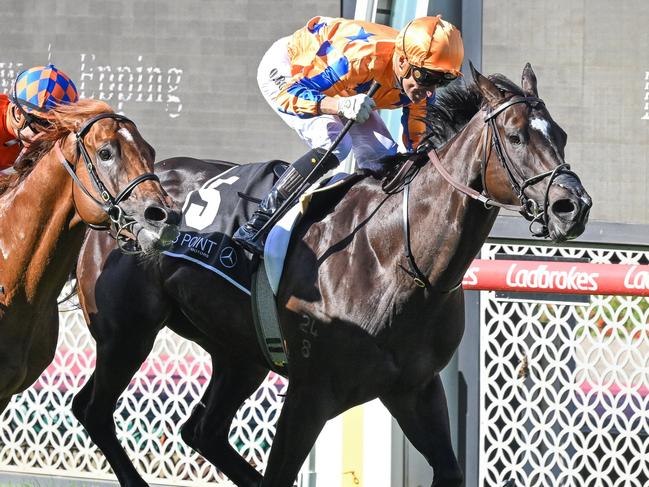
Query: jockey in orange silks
{"x": 317, "y": 79}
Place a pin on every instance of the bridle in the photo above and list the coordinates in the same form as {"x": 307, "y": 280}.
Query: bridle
{"x": 529, "y": 208}
{"x": 121, "y": 223}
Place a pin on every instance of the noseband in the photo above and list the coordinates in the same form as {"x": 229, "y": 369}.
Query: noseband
{"x": 120, "y": 222}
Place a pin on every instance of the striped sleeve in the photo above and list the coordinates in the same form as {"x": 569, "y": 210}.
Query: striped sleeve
{"x": 302, "y": 95}
{"x": 299, "y": 98}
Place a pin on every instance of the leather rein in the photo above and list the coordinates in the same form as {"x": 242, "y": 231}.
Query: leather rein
{"x": 528, "y": 207}
{"x": 120, "y": 223}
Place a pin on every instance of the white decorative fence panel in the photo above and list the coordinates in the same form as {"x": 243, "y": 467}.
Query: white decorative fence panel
{"x": 564, "y": 396}
{"x": 564, "y": 388}
{"x": 39, "y": 435}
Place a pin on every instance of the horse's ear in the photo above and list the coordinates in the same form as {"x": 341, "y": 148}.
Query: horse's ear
{"x": 489, "y": 90}
{"x": 529, "y": 81}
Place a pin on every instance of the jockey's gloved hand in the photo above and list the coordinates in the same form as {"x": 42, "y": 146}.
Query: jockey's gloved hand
{"x": 357, "y": 107}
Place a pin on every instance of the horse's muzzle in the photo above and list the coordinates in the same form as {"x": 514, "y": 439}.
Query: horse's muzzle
{"x": 568, "y": 209}
{"x": 158, "y": 229}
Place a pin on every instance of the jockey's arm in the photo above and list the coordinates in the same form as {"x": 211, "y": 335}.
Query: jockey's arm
{"x": 301, "y": 99}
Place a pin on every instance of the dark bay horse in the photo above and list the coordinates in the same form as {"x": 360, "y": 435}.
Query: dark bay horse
{"x": 357, "y": 325}
{"x": 42, "y": 214}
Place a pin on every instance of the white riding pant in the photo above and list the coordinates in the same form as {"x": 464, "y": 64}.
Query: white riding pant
{"x": 368, "y": 141}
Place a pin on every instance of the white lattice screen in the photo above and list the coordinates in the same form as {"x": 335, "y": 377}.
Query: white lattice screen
{"x": 580, "y": 416}
{"x": 39, "y": 435}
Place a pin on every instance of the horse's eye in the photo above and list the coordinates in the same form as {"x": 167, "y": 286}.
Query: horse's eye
{"x": 105, "y": 155}
{"x": 514, "y": 139}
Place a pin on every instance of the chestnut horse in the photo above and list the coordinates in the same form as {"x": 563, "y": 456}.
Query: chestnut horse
{"x": 43, "y": 208}
{"x": 357, "y": 325}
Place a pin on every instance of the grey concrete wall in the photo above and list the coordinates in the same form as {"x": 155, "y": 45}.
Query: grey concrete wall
{"x": 183, "y": 70}
{"x": 592, "y": 64}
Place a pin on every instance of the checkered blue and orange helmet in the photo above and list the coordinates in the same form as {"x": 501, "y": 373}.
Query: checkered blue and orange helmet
{"x": 43, "y": 87}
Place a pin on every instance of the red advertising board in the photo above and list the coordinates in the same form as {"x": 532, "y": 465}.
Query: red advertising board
{"x": 557, "y": 277}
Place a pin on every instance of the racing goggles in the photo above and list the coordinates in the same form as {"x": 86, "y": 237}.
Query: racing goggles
{"x": 427, "y": 77}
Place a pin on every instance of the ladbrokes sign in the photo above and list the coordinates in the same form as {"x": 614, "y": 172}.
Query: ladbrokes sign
{"x": 557, "y": 277}
{"x": 543, "y": 277}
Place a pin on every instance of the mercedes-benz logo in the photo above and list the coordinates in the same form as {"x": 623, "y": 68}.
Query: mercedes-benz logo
{"x": 228, "y": 257}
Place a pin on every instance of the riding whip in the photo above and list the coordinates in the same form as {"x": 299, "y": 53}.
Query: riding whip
{"x": 291, "y": 200}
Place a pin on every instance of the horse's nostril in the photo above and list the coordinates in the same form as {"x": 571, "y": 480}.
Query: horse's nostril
{"x": 155, "y": 214}
{"x": 563, "y": 206}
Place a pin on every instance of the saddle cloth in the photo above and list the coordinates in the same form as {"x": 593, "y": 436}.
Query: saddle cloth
{"x": 212, "y": 214}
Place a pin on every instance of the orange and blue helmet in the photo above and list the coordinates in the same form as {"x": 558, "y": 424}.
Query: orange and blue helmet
{"x": 43, "y": 87}
{"x": 432, "y": 48}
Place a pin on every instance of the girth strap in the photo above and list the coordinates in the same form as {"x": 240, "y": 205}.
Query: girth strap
{"x": 420, "y": 279}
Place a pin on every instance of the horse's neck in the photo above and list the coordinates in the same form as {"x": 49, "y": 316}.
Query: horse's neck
{"x": 452, "y": 226}
{"x": 38, "y": 240}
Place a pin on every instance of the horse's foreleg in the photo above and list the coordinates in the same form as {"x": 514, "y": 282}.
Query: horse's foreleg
{"x": 423, "y": 416}
{"x": 304, "y": 414}
{"x": 208, "y": 427}
{"x": 94, "y": 405}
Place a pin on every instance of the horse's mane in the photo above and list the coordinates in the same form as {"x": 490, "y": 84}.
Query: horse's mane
{"x": 457, "y": 104}
{"x": 65, "y": 119}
